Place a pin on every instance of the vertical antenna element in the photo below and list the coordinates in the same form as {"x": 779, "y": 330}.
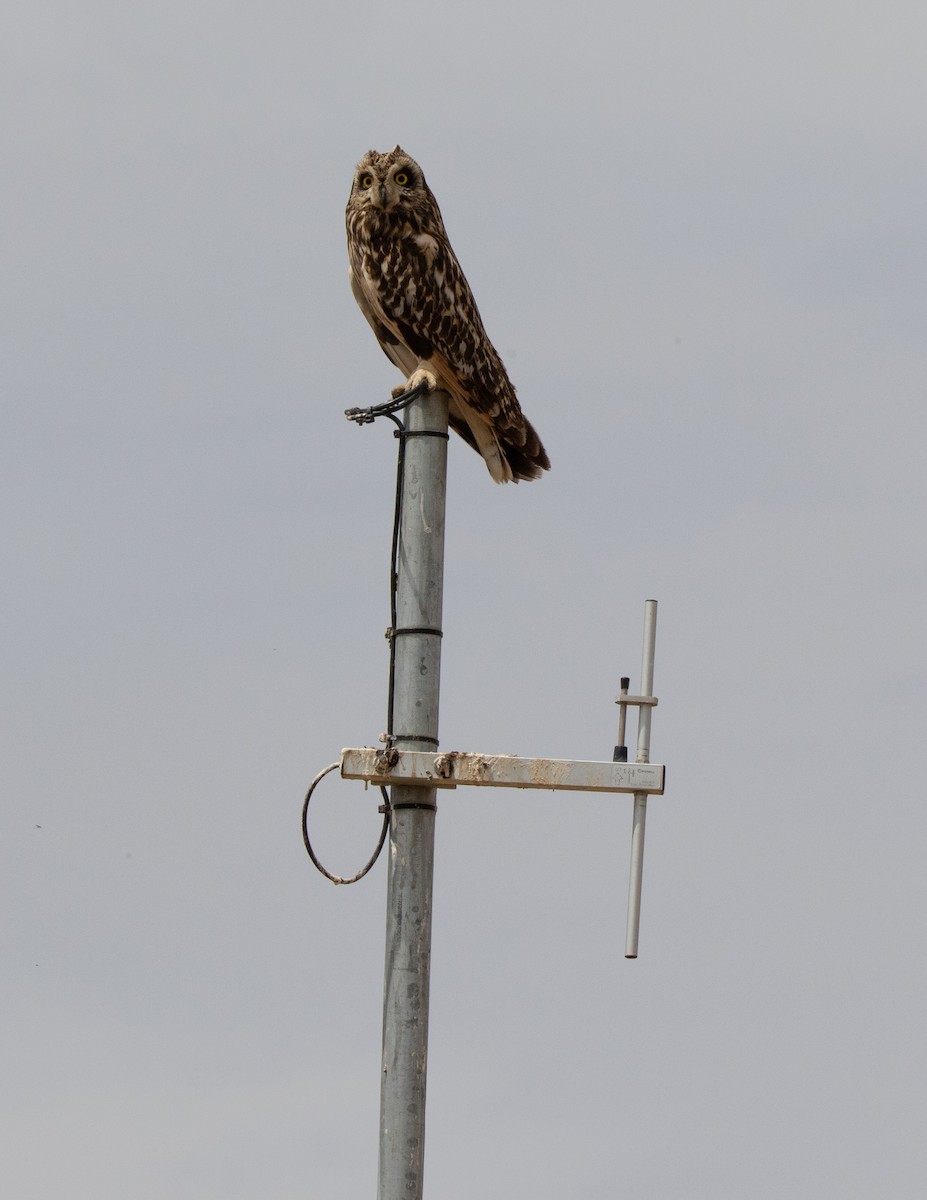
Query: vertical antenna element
{"x": 640, "y": 798}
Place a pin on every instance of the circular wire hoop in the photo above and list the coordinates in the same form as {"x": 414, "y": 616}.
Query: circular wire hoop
{"x": 305, "y": 822}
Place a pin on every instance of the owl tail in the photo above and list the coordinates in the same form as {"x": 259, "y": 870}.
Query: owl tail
{"x": 526, "y": 458}
{"x": 508, "y": 457}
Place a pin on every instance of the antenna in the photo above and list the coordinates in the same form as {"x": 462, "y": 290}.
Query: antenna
{"x": 411, "y": 766}
{"x": 646, "y": 702}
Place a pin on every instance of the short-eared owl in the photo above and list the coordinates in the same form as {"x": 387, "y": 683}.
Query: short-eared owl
{"x": 410, "y": 287}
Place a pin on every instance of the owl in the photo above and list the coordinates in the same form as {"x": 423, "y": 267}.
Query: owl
{"x": 409, "y": 285}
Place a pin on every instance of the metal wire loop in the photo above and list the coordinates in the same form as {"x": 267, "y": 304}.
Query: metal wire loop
{"x": 385, "y": 809}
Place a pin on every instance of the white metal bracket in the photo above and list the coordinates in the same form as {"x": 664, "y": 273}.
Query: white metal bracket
{"x": 457, "y": 768}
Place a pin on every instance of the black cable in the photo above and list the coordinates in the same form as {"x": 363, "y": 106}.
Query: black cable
{"x": 366, "y": 416}
{"x": 399, "y": 433}
{"x": 385, "y": 809}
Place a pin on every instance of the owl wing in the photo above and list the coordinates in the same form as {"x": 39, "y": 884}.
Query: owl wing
{"x": 422, "y": 310}
{"x": 367, "y": 302}
{"x": 423, "y": 302}
{"x": 445, "y": 313}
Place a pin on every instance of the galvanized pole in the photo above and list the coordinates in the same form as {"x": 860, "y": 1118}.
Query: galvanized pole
{"x": 640, "y": 798}
{"x": 416, "y": 680}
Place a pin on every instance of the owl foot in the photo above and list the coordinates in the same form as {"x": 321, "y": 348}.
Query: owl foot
{"x": 416, "y": 379}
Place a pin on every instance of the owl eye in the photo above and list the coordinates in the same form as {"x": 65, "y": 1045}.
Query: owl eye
{"x": 366, "y": 182}
{"x": 402, "y": 178}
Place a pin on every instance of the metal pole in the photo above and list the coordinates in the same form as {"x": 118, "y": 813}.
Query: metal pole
{"x": 420, "y": 570}
{"x": 640, "y": 798}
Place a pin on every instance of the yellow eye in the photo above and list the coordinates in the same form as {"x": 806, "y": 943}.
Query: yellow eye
{"x": 366, "y": 182}
{"x": 402, "y": 178}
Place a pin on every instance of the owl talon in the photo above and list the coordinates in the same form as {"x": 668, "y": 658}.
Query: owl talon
{"x": 415, "y": 380}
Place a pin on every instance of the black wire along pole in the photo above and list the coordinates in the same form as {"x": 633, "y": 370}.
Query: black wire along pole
{"x": 419, "y": 585}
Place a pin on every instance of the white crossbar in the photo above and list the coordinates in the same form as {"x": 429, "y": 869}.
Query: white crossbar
{"x": 452, "y": 769}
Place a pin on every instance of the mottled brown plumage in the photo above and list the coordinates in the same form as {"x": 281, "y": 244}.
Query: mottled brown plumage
{"x": 409, "y": 285}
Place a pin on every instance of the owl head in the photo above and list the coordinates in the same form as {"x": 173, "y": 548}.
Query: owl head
{"x": 390, "y": 183}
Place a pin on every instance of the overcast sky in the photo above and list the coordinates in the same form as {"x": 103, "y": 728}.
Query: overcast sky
{"x": 696, "y": 235}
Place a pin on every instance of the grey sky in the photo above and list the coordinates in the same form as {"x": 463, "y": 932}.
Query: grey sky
{"x": 696, "y": 236}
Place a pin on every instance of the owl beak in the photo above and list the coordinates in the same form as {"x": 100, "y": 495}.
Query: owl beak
{"x": 383, "y": 195}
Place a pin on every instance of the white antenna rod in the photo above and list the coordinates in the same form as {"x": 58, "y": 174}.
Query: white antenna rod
{"x": 640, "y": 798}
